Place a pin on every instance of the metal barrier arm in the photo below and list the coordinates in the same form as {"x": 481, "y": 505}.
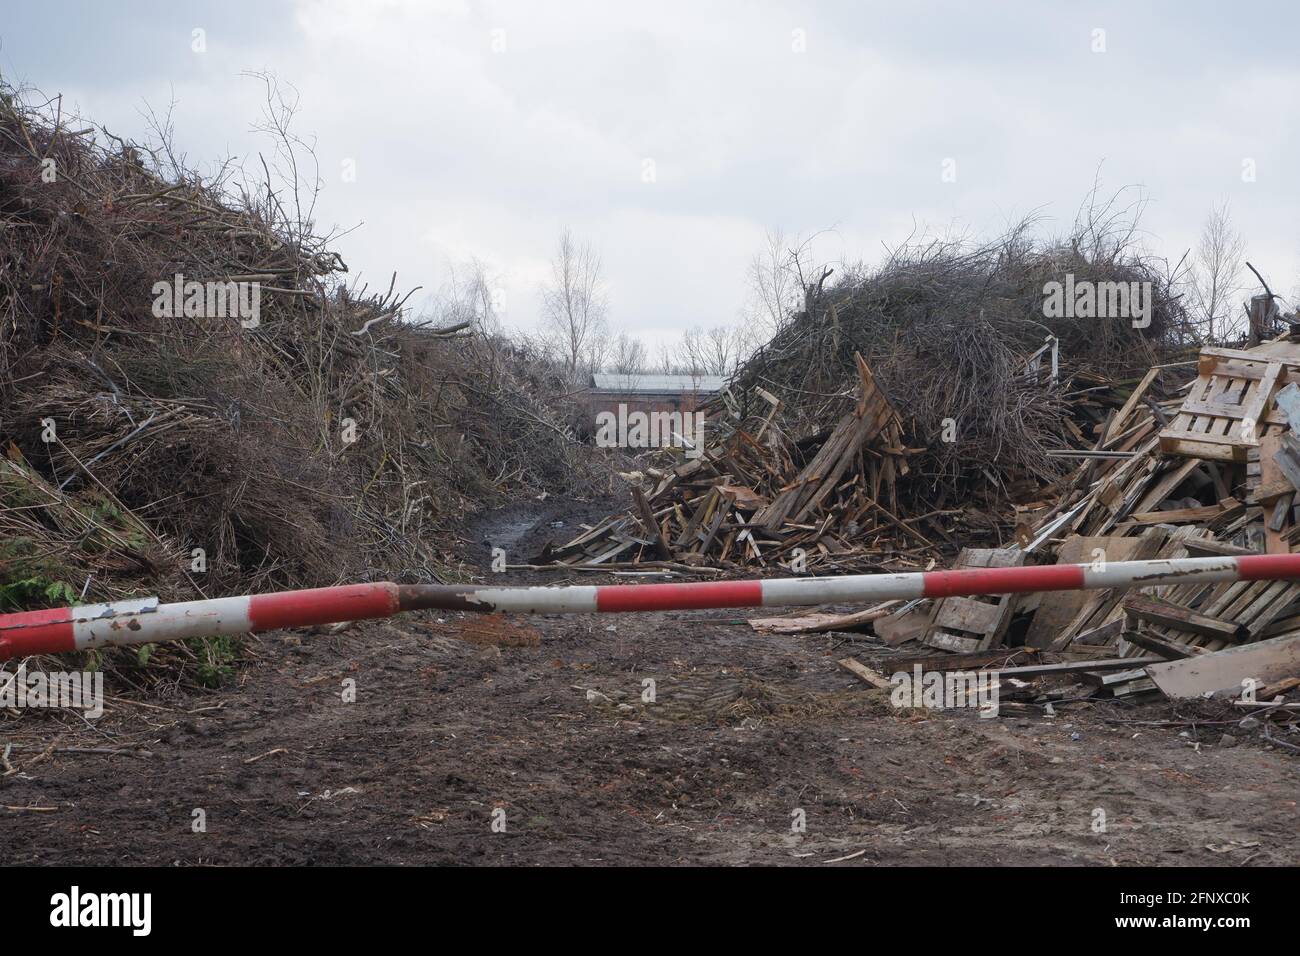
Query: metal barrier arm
{"x": 146, "y": 621}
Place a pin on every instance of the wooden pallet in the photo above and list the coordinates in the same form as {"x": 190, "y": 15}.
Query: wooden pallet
{"x": 1251, "y": 606}
{"x": 1230, "y": 405}
{"x": 967, "y": 624}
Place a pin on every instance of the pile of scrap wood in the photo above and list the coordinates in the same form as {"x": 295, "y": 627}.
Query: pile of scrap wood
{"x": 849, "y": 497}
{"x": 763, "y": 500}
{"x": 1215, "y": 473}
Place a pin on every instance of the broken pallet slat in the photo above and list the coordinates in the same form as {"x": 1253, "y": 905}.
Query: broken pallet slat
{"x": 865, "y": 673}
{"x": 1078, "y": 667}
{"x": 1145, "y": 607}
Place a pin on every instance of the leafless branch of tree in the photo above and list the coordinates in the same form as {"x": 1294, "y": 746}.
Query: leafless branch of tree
{"x": 712, "y": 351}
{"x": 774, "y": 287}
{"x": 1216, "y": 274}
{"x": 628, "y": 357}
{"x": 574, "y": 305}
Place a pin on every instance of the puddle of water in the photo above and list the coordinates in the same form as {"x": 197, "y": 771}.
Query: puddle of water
{"x": 506, "y": 532}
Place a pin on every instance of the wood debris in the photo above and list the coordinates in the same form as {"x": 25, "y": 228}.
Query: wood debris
{"x": 1210, "y": 475}
{"x": 764, "y": 500}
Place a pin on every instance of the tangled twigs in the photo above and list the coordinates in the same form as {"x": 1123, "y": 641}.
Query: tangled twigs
{"x": 160, "y": 445}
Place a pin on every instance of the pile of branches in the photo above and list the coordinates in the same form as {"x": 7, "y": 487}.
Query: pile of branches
{"x": 951, "y": 331}
{"x": 329, "y": 437}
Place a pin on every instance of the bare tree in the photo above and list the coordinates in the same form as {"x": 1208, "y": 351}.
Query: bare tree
{"x": 774, "y": 287}
{"x": 627, "y": 355}
{"x": 469, "y": 296}
{"x": 291, "y": 159}
{"x": 714, "y": 351}
{"x": 1106, "y": 228}
{"x": 574, "y": 305}
{"x": 666, "y": 359}
{"x": 1216, "y": 273}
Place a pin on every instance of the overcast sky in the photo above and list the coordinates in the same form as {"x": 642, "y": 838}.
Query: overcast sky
{"x": 481, "y": 129}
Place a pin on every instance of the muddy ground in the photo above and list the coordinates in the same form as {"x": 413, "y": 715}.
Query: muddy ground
{"x": 546, "y": 730}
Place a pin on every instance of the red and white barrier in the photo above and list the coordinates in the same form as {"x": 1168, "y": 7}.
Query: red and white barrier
{"x": 146, "y": 621}
{"x": 868, "y": 588}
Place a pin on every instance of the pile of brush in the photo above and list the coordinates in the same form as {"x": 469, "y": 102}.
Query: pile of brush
{"x": 964, "y": 341}
{"x": 192, "y": 400}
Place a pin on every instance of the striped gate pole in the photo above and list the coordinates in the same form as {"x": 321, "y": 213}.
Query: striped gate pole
{"x": 146, "y": 621}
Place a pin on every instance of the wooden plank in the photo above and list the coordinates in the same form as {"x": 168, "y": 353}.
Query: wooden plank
{"x": 900, "y": 628}
{"x": 1247, "y": 355}
{"x": 1102, "y": 605}
{"x": 1158, "y": 645}
{"x": 1183, "y": 436}
{"x": 1234, "y": 412}
{"x": 1220, "y": 674}
{"x": 1212, "y": 548}
{"x": 1134, "y": 397}
{"x": 1110, "y": 679}
{"x": 1168, "y": 482}
{"x": 701, "y": 513}
{"x": 865, "y": 673}
{"x": 1078, "y": 667}
{"x": 1099, "y": 636}
{"x": 1279, "y": 512}
{"x": 815, "y": 622}
{"x": 1253, "y": 371}
{"x": 964, "y": 616}
{"x": 1186, "y": 446}
{"x": 952, "y": 642}
{"x": 1287, "y": 458}
{"x": 1269, "y": 691}
{"x": 1144, "y": 607}
{"x": 1178, "y": 515}
{"x": 1272, "y": 486}
{"x": 1253, "y": 412}
{"x": 651, "y": 525}
{"x": 967, "y": 614}
{"x": 1143, "y": 685}
{"x": 957, "y": 662}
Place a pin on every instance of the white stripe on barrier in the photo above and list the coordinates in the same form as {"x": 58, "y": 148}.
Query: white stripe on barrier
{"x": 578, "y": 599}
{"x": 806, "y": 591}
{"x": 144, "y": 622}
{"x": 1172, "y": 570}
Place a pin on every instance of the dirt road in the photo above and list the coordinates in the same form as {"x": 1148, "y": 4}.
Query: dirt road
{"x": 462, "y": 752}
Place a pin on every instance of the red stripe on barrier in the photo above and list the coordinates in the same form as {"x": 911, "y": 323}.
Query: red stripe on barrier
{"x": 352, "y": 602}
{"x": 47, "y": 631}
{"x": 1052, "y": 577}
{"x": 678, "y": 597}
{"x": 1268, "y": 567}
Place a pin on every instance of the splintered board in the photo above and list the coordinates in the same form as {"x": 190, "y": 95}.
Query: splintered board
{"x": 1230, "y": 405}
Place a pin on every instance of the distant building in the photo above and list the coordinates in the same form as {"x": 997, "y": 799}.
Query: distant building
{"x": 647, "y": 392}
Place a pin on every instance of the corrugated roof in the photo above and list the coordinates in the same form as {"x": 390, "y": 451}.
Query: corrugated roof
{"x": 647, "y": 383}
